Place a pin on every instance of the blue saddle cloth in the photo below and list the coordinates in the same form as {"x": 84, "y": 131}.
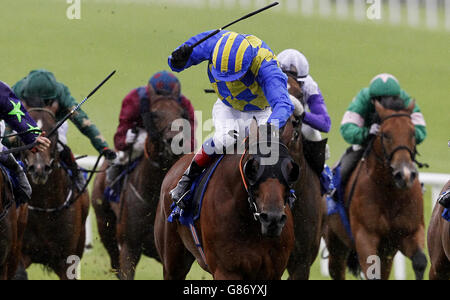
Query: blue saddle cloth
{"x": 112, "y": 193}
{"x": 446, "y": 215}
{"x": 336, "y": 204}
{"x": 194, "y": 199}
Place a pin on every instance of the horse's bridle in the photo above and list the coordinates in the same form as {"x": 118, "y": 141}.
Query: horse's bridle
{"x": 250, "y": 187}
{"x": 389, "y": 156}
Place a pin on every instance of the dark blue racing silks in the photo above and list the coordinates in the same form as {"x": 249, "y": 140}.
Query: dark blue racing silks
{"x": 446, "y": 215}
{"x": 263, "y": 85}
{"x": 15, "y": 115}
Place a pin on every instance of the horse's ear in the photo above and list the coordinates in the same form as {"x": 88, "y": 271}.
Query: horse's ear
{"x": 379, "y": 108}
{"x": 176, "y": 91}
{"x": 151, "y": 91}
{"x": 25, "y": 105}
{"x": 287, "y": 132}
{"x": 54, "y": 107}
{"x": 411, "y": 106}
{"x": 251, "y": 171}
{"x": 253, "y": 133}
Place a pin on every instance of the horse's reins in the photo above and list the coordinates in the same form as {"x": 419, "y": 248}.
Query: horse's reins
{"x": 249, "y": 188}
{"x": 387, "y": 157}
{"x": 69, "y": 199}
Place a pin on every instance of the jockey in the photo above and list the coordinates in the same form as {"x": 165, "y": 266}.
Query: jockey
{"x": 41, "y": 84}
{"x": 359, "y": 123}
{"x": 245, "y": 75}
{"x": 316, "y": 120}
{"x": 130, "y": 134}
{"x": 15, "y": 115}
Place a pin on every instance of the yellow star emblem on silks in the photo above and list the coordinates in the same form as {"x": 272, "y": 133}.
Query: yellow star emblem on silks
{"x": 33, "y": 129}
{"x": 16, "y": 111}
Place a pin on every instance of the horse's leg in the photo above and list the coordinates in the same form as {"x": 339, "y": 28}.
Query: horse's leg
{"x": 412, "y": 247}
{"x": 440, "y": 267}
{"x": 367, "y": 245}
{"x": 129, "y": 257}
{"x": 176, "y": 259}
{"x": 338, "y": 253}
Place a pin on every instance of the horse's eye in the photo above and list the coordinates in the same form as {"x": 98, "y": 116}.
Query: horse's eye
{"x": 386, "y": 136}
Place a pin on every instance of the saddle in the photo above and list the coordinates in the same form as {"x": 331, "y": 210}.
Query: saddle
{"x": 194, "y": 199}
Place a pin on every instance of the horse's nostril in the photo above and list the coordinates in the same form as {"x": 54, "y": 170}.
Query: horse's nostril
{"x": 398, "y": 175}
{"x": 47, "y": 169}
{"x": 283, "y": 219}
{"x": 413, "y": 175}
{"x": 264, "y": 217}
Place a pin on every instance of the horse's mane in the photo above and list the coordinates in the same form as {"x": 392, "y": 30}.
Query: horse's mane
{"x": 392, "y": 102}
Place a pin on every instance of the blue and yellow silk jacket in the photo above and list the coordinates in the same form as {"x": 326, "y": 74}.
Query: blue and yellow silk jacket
{"x": 263, "y": 86}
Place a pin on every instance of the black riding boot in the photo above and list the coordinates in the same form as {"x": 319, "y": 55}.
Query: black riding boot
{"x": 77, "y": 176}
{"x": 182, "y": 189}
{"x": 24, "y": 185}
{"x": 349, "y": 161}
{"x": 444, "y": 199}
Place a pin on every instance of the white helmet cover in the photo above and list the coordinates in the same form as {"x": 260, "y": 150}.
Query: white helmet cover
{"x": 292, "y": 60}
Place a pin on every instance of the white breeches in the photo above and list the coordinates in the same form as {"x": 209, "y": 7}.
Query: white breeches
{"x": 227, "y": 119}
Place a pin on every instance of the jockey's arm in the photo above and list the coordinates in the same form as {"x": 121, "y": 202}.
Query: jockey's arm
{"x": 353, "y": 126}
{"x": 200, "y": 53}
{"x": 129, "y": 117}
{"x": 81, "y": 121}
{"x": 274, "y": 84}
{"x": 317, "y": 117}
{"x": 16, "y": 117}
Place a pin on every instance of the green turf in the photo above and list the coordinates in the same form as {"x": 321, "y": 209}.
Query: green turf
{"x": 136, "y": 39}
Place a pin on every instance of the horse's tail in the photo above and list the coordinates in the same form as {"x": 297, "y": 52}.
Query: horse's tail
{"x": 353, "y": 264}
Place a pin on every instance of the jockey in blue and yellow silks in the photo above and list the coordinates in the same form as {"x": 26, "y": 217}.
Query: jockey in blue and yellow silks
{"x": 246, "y": 76}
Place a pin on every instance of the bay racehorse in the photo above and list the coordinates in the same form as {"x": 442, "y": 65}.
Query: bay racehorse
{"x": 12, "y": 226}
{"x": 240, "y": 241}
{"x": 126, "y": 228}
{"x": 309, "y": 209}
{"x": 57, "y": 211}
{"x": 439, "y": 243}
{"x": 384, "y": 203}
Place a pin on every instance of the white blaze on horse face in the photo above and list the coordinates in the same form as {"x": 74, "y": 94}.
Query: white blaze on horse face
{"x": 40, "y": 123}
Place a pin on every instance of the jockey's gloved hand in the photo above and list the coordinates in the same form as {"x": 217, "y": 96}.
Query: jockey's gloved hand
{"x": 374, "y": 129}
{"x": 130, "y": 137}
{"x": 109, "y": 154}
{"x": 181, "y": 56}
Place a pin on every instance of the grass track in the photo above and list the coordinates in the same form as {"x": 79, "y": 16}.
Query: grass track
{"x": 136, "y": 39}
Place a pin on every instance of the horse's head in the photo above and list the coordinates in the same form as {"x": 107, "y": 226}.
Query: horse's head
{"x": 163, "y": 112}
{"x": 41, "y": 165}
{"x": 397, "y": 141}
{"x": 270, "y": 184}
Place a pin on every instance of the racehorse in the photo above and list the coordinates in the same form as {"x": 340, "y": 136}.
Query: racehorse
{"x": 309, "y": 209}
{"x": 57, "y": 211}
{"x": 235, "y": 245}
{"x": 12, "y": 226}
{"x": 384, "y": 203}
{"x": 126, "y": 228}
{"x": 439, "y": 243}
